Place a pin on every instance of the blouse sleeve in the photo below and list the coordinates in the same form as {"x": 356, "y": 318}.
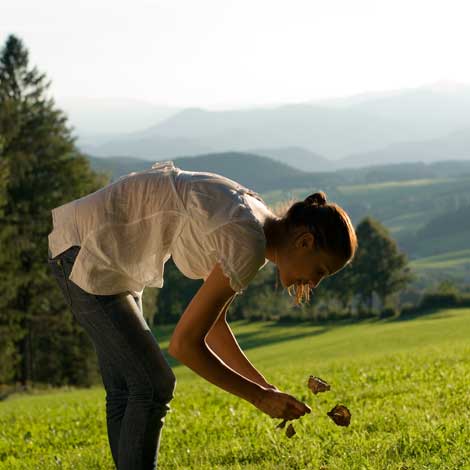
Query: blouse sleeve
{"x": 240, "y": 250}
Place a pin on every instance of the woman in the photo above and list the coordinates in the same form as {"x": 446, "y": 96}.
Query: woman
{"x": 107, "y": 246}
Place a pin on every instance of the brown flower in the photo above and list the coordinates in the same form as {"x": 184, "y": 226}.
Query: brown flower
{"x": 316, "y": 385}
{"x": 340, "y": 415}
{"x": 282, "y": 425}
{"x": 290, "y": 431}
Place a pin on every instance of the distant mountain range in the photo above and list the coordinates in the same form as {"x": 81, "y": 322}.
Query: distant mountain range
{"x": 455, "y": 146}
{"x": 424, "y": 124}
{"x": 98, "y": 120}
{"x": 264, "y": 174}
{"x": 254, "y": 171}
{"x": 298, "y": 157}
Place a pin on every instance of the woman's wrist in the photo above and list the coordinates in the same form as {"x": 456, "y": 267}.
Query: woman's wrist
{"x": 270, "y": 386}
{"x": 258, "y": 395}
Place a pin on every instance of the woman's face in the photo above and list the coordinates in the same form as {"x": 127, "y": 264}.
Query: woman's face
{"x": 301, "y": 262}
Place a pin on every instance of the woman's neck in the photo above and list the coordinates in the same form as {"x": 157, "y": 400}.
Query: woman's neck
{"x": 274, "y": 232}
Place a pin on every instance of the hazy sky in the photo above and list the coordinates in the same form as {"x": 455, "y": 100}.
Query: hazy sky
{"x": 221, "y": 53}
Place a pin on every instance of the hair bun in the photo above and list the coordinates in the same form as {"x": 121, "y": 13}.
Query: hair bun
{"x": 318, "y": 199}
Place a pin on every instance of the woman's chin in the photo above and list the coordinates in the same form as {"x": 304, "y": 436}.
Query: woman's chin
{"x": 287, "y": 283}
{"x": 290, "y": 284}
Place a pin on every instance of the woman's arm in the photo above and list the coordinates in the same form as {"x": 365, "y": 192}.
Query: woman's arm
{"x": 222, "y": 341}
{"x": 188, "y": 345}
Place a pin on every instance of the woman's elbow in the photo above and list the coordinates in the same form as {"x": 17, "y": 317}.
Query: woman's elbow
{"x": 179, "y": 349}
{"x": 172, "y": 349}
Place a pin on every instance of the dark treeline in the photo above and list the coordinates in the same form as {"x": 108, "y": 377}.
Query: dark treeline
{"x": 41, "y": 168}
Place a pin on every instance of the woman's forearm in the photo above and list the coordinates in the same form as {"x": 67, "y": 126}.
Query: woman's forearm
{"x": 224, "y": 344}
{"x": 205, "y": 363}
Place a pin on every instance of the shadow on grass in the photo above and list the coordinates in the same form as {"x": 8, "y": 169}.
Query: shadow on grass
{"x": 257, "y": 339}
{"x": 253, "y": 339}
{"x": 264, "y": 336}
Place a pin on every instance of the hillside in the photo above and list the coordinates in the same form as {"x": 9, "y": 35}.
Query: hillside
{"x": 449, "y": 231}
{"x": 451, "y": 265}
{"x": 426, "y": 123}
{"x": 455, "y": 146}
{"x": 425, "y": 206}
{"x": 298, "y": 157}
{"x": 269, "y": 170}
{"x": 426, "y": 217}
{"x": 405, "y": 383}
{"x": 254, "y": 171}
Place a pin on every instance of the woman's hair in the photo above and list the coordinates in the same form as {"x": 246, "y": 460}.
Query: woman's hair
{"x": 328, "y": 222}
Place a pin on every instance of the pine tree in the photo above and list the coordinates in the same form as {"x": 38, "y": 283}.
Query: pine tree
{"x": 10, "y": 330}
{"x": 45, "y": 170}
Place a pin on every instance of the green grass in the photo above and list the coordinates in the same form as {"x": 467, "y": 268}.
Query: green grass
{"x": 452, "y": 265}
{"x": 366, "y": 188}
{"x": 444, "y": 260}
{"x": 406, "y": 384}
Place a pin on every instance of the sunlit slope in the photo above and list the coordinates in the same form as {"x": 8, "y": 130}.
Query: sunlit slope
{"x": 405, "y": 382}
{"x": 427, "y": 217}
{"x": 281, "y": 347}
{"x": 402, "y": 206}
{"x": 454, "y": 264}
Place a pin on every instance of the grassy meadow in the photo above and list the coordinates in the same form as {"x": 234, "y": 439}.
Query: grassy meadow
{"x": 455, "y": 262}
{"x": 406, "y": 383}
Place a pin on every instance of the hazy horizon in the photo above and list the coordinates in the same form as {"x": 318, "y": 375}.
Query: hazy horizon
{"x": 225, "y": 55}
{"x": 442, "y": 84}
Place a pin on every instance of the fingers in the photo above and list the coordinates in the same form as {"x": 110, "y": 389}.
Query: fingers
{"x": 295, "y": 410}
{"x": 288, "y": 412}
{"x": 288, "y": 407}
{"x": 302, "y": 407}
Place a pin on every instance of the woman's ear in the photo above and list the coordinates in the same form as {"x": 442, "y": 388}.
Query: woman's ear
{"x": 306, "y": 240}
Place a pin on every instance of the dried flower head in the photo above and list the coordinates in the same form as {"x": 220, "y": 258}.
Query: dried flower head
{"x": 340, "y": 415}
{"x": 282, "y": 424}
{"x": 301, "y": 291}
{"x": 290, "y": 431}
{"x": 317, "y": 385}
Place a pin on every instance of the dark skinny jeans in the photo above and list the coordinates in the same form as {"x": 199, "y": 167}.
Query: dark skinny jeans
{"x": 138, "y": 380}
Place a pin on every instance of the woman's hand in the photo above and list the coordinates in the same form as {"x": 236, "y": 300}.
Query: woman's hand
{"x": 277, "y": 404}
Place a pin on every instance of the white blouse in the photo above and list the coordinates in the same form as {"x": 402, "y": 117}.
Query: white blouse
{"x": 130, "y": 228}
